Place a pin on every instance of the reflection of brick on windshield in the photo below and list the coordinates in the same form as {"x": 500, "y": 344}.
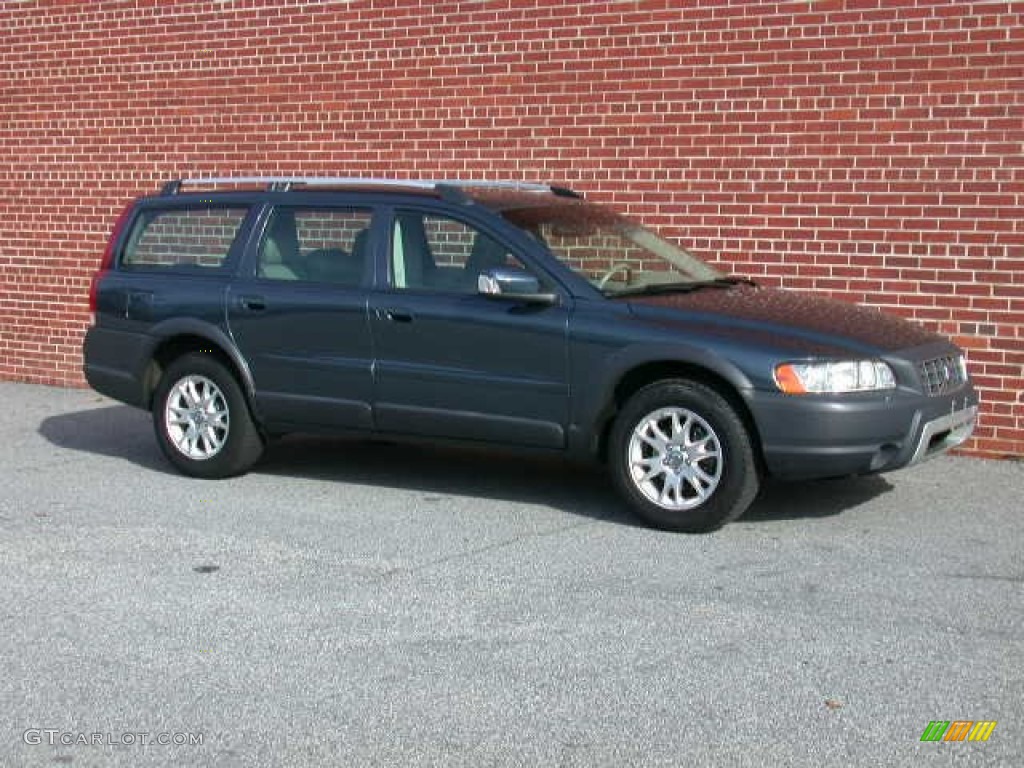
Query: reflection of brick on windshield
{"x": 588, "y": 238}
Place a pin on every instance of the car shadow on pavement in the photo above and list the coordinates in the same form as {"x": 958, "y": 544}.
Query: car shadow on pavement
{"x": 431, "y": 469}
{"x": 118, "y": 431}
{"x": 780, "y": 500}
{"x": 579, "y": 489}
{"x": 126, "y": 433}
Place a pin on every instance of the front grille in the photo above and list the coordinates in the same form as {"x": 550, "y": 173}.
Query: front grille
{"x": 942, "y": 374}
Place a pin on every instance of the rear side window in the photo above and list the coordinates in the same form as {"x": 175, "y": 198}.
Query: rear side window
{"x": 322, "y": 245}
{"x": 185, "y": 238}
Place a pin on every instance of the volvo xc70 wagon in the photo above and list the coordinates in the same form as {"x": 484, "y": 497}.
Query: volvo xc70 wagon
{"x": 499, "y": 313}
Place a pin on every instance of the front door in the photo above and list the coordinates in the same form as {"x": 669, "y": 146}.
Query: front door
{"x": 453, "y": 363}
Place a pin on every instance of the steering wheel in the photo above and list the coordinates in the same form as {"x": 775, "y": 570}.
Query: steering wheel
{"x": 617, "y": 267}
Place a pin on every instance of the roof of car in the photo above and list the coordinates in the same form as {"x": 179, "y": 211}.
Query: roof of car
{"x": 512, "y": 199}
{"x": 493, "y": 193}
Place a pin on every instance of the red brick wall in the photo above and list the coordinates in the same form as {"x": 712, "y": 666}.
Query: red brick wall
{"x": 865, "y": 148}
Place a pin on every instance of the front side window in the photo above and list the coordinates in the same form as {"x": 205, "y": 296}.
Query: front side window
{"x": 323, "y": 245}
{"x": 183, "y": 238}
{"x": 438, "y": 253}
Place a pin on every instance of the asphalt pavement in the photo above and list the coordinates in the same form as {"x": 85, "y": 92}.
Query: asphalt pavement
{"x": 350, "y": 603}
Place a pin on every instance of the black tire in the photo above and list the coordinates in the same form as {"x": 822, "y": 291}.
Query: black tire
{"x": 708, "y": 446}
{"x": 206, "y": 429}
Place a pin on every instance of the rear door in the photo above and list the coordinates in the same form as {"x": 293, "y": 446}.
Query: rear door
{"x": 298, "y": 313}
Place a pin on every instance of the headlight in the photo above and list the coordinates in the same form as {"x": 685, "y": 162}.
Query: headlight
{"x": 834, "y": 377}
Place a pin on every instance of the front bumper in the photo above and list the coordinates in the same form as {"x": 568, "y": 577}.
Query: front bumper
{"x": 807, "y": 437}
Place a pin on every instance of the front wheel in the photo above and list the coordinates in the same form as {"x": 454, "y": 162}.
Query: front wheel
{"x": 202, "y": 419}
{"x": 682, "y": 457}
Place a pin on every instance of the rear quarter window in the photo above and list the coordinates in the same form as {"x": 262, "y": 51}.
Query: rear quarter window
{"x": 188, "y": 239}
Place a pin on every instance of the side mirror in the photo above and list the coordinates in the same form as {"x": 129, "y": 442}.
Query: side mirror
{"x": 514, "y": 284}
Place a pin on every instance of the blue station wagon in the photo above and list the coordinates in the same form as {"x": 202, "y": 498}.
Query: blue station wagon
{"x": 499, "y": 313}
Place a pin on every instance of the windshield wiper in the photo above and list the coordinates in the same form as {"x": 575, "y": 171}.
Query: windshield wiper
{"x": 688, "y": 286}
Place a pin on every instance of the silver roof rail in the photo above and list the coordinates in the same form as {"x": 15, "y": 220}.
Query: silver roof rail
{"x": 285, "y": 183}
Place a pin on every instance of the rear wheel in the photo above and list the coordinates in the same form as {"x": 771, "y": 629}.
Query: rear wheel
{"x": 202, "y": 419}
{"x": 682, "y": 458}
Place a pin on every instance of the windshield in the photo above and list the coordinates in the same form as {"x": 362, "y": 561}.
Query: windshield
{"x": 615, "y": 254}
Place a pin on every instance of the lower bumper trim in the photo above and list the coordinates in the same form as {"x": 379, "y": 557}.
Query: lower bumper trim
{"x": 946, "y": 432}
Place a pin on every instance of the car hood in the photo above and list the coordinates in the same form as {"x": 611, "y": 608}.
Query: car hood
{"x": 820, "y": 322}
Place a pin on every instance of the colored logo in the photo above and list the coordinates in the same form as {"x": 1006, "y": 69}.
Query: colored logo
{"x": 958, "y": 730}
